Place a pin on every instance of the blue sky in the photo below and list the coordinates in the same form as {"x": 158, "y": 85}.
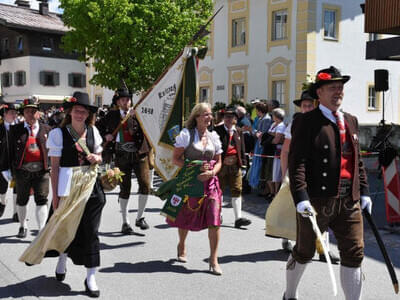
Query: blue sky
{"x": 53, "y": 4}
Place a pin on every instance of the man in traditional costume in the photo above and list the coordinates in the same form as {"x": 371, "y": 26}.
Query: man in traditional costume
{"x": 8, "y": 113}
{"x": 233, "y": 162}
{"x": 30, "y": 164}
{"x": 131, "y": 153}
{"x": 328, "y": 179}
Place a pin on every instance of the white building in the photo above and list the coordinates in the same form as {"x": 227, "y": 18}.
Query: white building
{"x": 33, "y": 64}
{"x": 267, "y": 48}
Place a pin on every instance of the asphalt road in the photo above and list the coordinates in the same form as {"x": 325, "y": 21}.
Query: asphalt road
{"x": 144, "y": 266}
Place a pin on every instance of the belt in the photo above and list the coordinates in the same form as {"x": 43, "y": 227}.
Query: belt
{"x": 345, "y": 187}
{"x": 126, "y": 147}
{"x": 32, "y": 166}
{"x": 230, "y": 160}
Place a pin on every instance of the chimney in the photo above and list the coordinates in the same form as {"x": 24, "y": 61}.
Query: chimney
{"x": 22, "y": 3}
{"x": 44, "y": 7}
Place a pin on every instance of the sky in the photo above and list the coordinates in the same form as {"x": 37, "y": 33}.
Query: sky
{"x": 53, "y": 4}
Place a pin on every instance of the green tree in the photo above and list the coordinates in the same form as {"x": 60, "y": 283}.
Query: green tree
{"x": 133, "y": 40}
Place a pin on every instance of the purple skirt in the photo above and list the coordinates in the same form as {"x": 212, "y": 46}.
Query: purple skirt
{"x": 200, "y": 213}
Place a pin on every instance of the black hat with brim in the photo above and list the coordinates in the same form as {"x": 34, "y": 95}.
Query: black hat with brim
{"x": 121, "y": 93}
{"x": 326, "y": 76}
{"x": 79, "y": 98}
{"x": 305, "y": 95}
{"x": 230, "y": 112}
{"x": 29, "y": 103}
{"x": 6, "y": 107}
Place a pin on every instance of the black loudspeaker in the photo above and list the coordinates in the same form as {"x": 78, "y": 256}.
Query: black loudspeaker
{"x": 381, "y": 80}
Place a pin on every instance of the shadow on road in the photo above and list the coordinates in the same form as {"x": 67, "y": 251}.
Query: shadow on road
{"x": 12, "y": 239}
{"x": 104, "y": 246}
{"x": 153, "y": 266}
{"x": 41, "y": 286}
{"x": 276, "y": 255}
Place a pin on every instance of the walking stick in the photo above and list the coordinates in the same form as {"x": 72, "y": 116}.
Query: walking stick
{"x": 313, "y": 220}
{"x": 382, "y": 247}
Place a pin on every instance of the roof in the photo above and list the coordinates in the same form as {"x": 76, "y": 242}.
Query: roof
{"x": 27, "y": 18}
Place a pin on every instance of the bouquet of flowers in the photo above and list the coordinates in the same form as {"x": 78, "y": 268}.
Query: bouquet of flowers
{"x": 110, "y": 178}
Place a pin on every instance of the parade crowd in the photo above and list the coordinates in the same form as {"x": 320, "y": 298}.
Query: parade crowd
{"x": 240, "y": 151}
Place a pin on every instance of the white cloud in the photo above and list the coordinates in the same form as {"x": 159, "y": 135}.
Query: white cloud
{"x": 53, "y": 4}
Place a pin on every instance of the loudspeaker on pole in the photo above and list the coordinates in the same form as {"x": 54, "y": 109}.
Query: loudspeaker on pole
{"x": 381, "y": 80}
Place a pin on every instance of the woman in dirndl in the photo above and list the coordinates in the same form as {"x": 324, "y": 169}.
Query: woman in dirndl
{"x": 78, "y": 198}
{"x": 195, "y": 142}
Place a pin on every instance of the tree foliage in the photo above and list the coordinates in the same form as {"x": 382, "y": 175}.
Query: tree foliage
{"x": 133, "y": 40}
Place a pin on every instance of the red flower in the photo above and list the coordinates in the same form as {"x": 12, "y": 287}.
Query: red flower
{"x": 72, "y": 99}
{"x": 5, "y": 106}
{"x": 26, "y": 101}
{"x": 324, "y": 76}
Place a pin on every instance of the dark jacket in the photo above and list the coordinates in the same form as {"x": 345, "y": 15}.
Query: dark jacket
{"x": 315, "y": 155}
{"x": 4, "y": 148}
{"x": 238, "y": 140}
{"x": 111, "y": 121}
{"x": 18, "y": 138}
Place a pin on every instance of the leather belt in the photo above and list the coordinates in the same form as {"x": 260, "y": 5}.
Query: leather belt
{"x": 126, "y": 147}
{"x": 345, "y": 187}
{"x": 32, "y": 166}
{"x": 230, "y": 160}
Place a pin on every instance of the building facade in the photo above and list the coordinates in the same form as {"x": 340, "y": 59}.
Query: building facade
{"x": 267, "y": 49}
{"x": 33, "y": 64}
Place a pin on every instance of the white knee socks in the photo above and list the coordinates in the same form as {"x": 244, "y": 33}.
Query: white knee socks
{"x": 294, "y": 271}
{"x": 91, "y": 279}
{"x": 62, "y": 264}
{"x": 3, "y": 199}
{"x": 41, "y": 215}
{"x": 123, "y": 203}
{"x": 351, "y": 281}
{"x": 142, "y": 201}
{"x": 21, "y": 210}
{"x": 237, "y": 207}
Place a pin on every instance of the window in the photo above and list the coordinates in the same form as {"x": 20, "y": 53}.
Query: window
{"x": 20, "y": 44}
{"x": 238, "y": 91}
{"x": 372, "y": 98}
{"x": 47, "y": 44}
{"x": 48, "y": 78}
{"x": 98, "y": 100}
{"x": 238, "y": 32}
{"x": 77, "y": 80}
{"x": 279, "y": 28}
{"x": 20, "y": 78}
{"x": 204, "y": 94}
{"x": 373, "y": 37}
{"x": 330, "y": 24}
{"x": 5, "y": 46}
{"x": 278, "y": 90}
{"x": 6, "y": 79}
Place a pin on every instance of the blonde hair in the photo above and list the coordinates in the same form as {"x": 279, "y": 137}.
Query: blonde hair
{"x": 199, "y": 109}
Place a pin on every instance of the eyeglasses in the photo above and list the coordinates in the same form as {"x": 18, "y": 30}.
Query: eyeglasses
{"x": 205, "y": 115}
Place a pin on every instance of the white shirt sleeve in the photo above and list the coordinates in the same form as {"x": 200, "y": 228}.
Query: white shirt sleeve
{"x": 217, "y": 142}
{"x": 98, "y": 140}
{"x": 281, "y": 128}
{"x": 55, "y": 142}
{"x": 183, "y": 139}
{"x": 288, "y": 131}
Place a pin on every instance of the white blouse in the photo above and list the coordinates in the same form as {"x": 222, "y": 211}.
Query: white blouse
{"x": 55, "y": 145}
{"x": 183, "y": 140}
{"x": 55, "y": 142}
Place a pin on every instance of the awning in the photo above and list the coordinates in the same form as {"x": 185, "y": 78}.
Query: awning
{"x": 385, "y": 49}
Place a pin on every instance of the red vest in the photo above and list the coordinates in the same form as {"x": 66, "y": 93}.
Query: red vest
{"x": 231, "y": 150}
{"x": 32, "y": 150}
{"x": 124, "y": 135}
{"x": 347, "y": 157}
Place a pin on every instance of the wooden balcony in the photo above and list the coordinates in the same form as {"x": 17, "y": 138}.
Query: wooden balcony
{"x": 382, "y": 16}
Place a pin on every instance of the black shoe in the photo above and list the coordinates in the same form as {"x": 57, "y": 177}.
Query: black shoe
{"x": 15, "y": 218}
{"x": 242, "y": 222}
{"x": 90, "y": 293}
{"x": 2, "y": 208}
{"x": 61, "y": 276}
{"x": 142, "y": 224}
{"x": 269, "y": 197}
{"x": 127, "y": 229}
{"x": 289, "y": 298}
{"x": 334, "y": 259}
{"x": 22, "y": 232}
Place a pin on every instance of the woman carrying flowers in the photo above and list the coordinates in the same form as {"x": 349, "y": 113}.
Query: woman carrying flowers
{"x": 78, "y": 198}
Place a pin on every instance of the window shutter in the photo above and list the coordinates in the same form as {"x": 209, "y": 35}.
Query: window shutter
{"x": 70, "y": 79}
{"x": 83, "y": 78}
{"x": 23, "y": 77}
{"x": 3, "y": 79}
{"x": 41, "y": 77}
{"x": 10, "y": 78}
{"x": 56, "y": 78}
{"x": 16, "y": 83}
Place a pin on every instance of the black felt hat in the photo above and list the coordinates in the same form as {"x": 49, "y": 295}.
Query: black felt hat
{"x": 30, "y": 102}
{"x": 6, "y": 107}
{"x": 79, "y": 98}
{"x": 230, "y": 112}
{"x": 305, "y": 95}
{"x": 326, "y": 76}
